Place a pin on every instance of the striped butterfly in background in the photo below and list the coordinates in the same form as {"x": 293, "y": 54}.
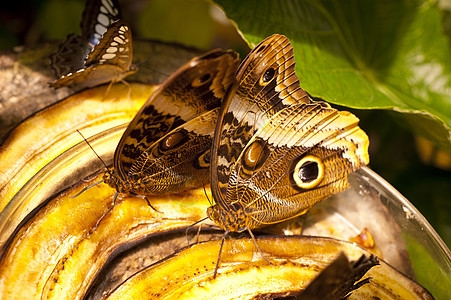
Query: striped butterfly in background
{"x": 276, "y": 152}
{"x": 101, "y": 54}
{"x": 166, "y": 147}
{"x": 97, "y": 17}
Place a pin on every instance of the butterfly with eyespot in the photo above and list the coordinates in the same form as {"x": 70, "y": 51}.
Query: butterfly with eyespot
{"x": 166, "y": 147}
{"x": 276, "y": 152}
{"x": 103, "y": 53}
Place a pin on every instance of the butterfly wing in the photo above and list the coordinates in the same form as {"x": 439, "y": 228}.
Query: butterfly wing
{"x": 105, "y": 39}
{"x": 115, "y": 47}
{"x": 110, "y": 60}
{"x": 178, "y": 161}
{"x": 193, "y": 90}
{"x": 97, "y": 17}
{"x": 276, "y": 152}
{"x": 69, "y": 57}
{"x": 303, "y": 155}
{"x": 252, "y": 101}
{"x": 92, "y": 76}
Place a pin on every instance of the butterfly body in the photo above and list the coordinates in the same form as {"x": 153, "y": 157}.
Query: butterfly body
{"x": 166, "y": 147}
{"x": 276, "y": 152}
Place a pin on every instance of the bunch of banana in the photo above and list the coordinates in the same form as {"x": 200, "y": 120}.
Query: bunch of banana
{"x": 61, "y": 250}
{"x": 58, "y": 243}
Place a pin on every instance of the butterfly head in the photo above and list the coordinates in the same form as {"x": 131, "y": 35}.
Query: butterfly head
{"x": 111, "y": 178}
{"x": 233, "y": 220}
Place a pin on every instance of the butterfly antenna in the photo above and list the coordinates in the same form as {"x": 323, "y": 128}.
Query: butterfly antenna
{"x": 137, "y": 64}
{"x": 109, "y": 209}
{"x": 108, "y": 170}
{"x": 95, "y": 183}
{"x": 86, "y": 188}
{"x": 220, "y": 252}
{"x": 198, "y": 231}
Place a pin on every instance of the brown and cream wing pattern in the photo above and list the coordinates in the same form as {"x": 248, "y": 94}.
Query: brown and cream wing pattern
{"x": 97, "y": 17}
{"x": 174, "y": 128}
{"x": 276, "y": 152}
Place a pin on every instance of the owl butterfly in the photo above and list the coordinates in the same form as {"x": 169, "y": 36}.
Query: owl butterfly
{"x": 166, "y": 147}
{"x": 276, "y": 152}
{"x": 102, "y": 53}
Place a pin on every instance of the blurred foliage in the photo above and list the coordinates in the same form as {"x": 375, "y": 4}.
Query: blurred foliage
{"x": 436, "y": 274}
{"x": 394, "y": 156}
{"x": 182, "y": 24}
{"x": 54, "y": 23}
{"x": 348, "y": 57}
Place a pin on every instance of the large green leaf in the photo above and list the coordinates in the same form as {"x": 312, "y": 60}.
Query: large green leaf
{"x": 385, "y": 54}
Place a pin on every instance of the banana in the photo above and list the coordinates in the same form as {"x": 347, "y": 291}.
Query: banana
{"x": 58, "y": 252}
{"x": 244, "y": 274}
{"x": 41, "y": 138}
{"x": 53, "y": 247}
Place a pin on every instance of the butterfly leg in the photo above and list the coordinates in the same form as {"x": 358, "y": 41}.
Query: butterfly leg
{"x": 220, "y": 252}
{"x": 186, "y": 234}
{"x": 198, "y": 230}
{"x": 148, "y": 202}
{"x": 109, "y": 209}
{"x": 108, "y": 90}
{"x": 129, "y": 88}
{"x": 129, "y": 93}
{"x": 256, "y": 245}
{"x": 198, "y": 233}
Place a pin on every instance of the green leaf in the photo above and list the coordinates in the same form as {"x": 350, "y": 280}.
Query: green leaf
{"x": 363, "y": 54}
{"x": 427, "y": 269}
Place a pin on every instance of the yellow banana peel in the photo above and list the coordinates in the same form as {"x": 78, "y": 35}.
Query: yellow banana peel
{"x": 58, "y": 252}
{"x": 244, "y": 274}
{"x": 48, "y": 133}
{"x": 55, "y": 248}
